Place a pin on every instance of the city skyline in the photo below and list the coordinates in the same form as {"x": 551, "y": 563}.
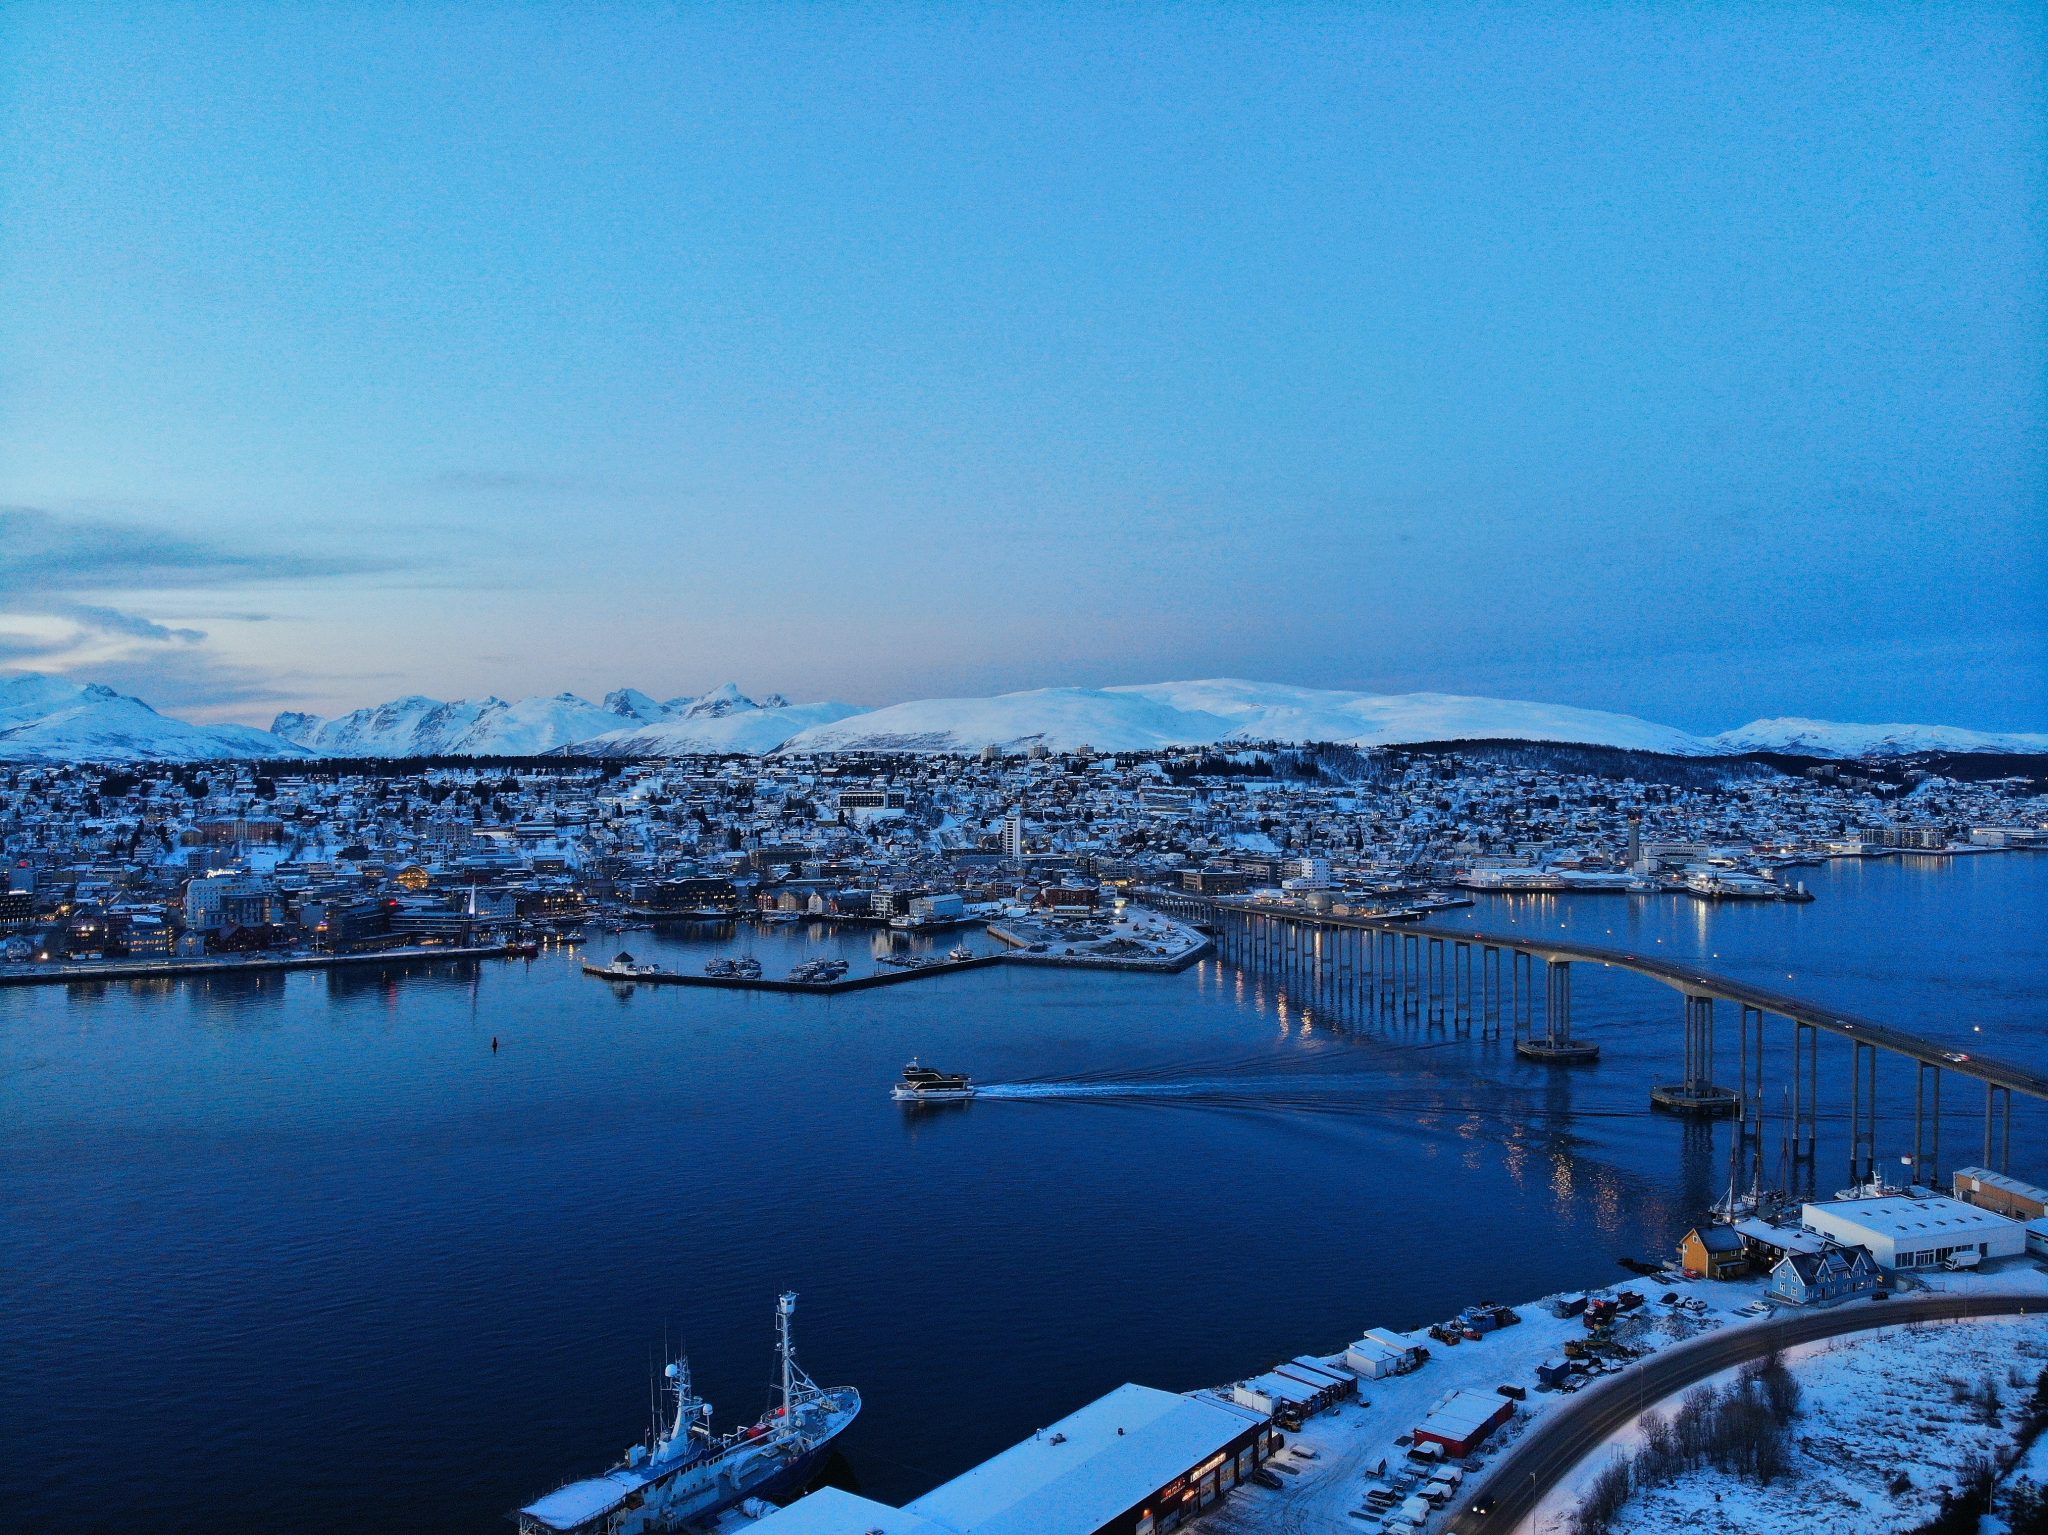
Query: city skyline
{"x": 1688, "y": 367}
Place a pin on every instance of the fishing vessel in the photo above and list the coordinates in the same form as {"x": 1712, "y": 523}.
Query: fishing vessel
{"x": 683, "y": 1475}
{"x": 921, "y": 1084}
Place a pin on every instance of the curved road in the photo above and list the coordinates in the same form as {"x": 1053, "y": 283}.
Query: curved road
{"x": 1561, "y": 1439}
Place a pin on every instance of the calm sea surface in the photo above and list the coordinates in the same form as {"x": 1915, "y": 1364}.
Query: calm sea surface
{"x": 304, "y": 1254}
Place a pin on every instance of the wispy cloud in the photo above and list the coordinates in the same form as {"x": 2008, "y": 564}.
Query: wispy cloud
{"x": 48, "y": 552}
{"x": 58, "y": 570}
{"x": 113, "y": 621}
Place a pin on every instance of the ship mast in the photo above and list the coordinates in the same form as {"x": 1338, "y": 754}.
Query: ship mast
{"x": 785, "y": 1308}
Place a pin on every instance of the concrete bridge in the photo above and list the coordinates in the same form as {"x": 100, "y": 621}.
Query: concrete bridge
{"x": 1487, "y": 981}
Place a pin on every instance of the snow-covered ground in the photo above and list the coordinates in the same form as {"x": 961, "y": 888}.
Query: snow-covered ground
{"x": 1876, "y": 1406}
{"x": 1350, "y": 1443}
{"x": 1140, "y": 937}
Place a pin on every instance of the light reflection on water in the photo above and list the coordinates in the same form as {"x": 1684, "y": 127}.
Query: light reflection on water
{"x": 249, "y": 1179}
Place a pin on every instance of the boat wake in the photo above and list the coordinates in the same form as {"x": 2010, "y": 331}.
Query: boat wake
{"x": 1240, "y": 1087}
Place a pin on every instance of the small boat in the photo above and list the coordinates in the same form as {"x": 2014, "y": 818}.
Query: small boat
{"x": 624, "y": 968}
{"x": 523, "y": 948}
{"x": 921, "y": 1084}
{"x": 959, "y": 952}
{"x": 747, "y": 969}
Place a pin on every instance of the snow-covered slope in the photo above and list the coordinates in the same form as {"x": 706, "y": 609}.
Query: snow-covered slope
{"x": 753, "y": 731}
{"x": 628, "y": 723}
{"x": 47, "y": 719}
{"x": 1264, "y": 711}
{"x": 406, "y": 727}
{"x": 486, "y": 727}
{"x": 1823, "y": 738}
{"x": 1155, "y": 715}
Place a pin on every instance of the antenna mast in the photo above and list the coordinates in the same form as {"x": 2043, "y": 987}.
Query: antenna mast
{"x": 785, "y": 1308}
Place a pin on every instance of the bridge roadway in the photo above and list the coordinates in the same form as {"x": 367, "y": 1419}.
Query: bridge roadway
{"x": 1568, "y": 1434}
{"x": 1694, "y": 981}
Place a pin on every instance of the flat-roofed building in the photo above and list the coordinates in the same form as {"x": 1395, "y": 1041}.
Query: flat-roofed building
{"x": 2001, "y": 1192}
{"x": 1905, "y": 1231}
{"x": 829, "y": 1511}
{"x": 1134, "y": 1462}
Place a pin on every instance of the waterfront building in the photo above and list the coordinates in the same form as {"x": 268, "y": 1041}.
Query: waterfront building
{"x": 1135, "y": 1462}
{"x": 1905, "y": 1231}
{"x": 2008, "y": 1195}
{"x": 1714, "y": 1252}
{"x": 1822, "y": 1278}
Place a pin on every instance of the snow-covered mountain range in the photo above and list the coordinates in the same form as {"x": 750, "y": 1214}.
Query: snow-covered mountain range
{"x": 49, "y": 719}
{"x": 723, "y": 720}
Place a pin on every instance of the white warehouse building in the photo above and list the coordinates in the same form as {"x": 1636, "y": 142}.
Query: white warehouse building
{"x": 1905, "y": 1231}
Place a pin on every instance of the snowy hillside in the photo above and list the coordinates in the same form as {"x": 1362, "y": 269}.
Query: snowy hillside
{"x": 487, "y": 727}
{"x": 1151, "y": 716}
{"x": 1822, "y": 738}
{"x": 1261, "y": 711}
{"x": 752, "y": 731}
{"x": 722, "y": 720}
{"x": 47, "y": 719}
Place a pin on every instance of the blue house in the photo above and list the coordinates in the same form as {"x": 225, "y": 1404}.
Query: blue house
{"x": 1820, "y": 1279}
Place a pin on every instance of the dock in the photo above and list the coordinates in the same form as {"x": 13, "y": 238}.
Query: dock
{"x": 805, "y": 988}
{"x": 68, "y": 973}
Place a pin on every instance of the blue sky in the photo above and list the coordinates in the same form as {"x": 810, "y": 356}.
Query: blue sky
{"x": 1681, "y": 360}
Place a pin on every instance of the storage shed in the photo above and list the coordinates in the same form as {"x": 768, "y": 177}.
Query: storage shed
{"x": 1407, "y": 1355}
{"x": 1462, "y": 1420}
{"x": 1370, "y": 1360}
{"x": 1271, "y": 1393}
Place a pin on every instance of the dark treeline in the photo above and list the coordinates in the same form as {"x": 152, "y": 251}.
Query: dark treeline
{"x": 1742, "y": 1431}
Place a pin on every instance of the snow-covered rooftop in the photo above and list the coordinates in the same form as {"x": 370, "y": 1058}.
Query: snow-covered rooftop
{"x": 828, "y": 1511}
{"x": 1902, "y": 1215}
{"x": 1087, "y": 1468}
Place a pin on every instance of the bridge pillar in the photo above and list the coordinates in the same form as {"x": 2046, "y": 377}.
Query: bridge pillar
{"x": 1862, "y": 1121}
{"x": 1697, "y": 1096}
{"x": 1992, "y": 1094}
{"x": 1805, "y": 1087}
{"x": 1490, "y": 986}
{"x": 1557, "y": 1047}
{"x": 1524, "y": 999}
{"x": 1461, "y": 985}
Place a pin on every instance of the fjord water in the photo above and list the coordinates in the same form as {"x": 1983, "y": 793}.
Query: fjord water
{"x": 304, "y": 1253}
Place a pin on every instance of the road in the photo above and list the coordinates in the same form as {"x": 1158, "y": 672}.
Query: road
{"x": 1566, "y": 1435}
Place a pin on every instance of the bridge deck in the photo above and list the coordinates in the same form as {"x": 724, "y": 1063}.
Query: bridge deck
{"x": 1687, "y": 977}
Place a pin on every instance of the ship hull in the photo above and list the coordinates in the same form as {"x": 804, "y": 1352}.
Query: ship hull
{"x": 691, "y": 1508}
